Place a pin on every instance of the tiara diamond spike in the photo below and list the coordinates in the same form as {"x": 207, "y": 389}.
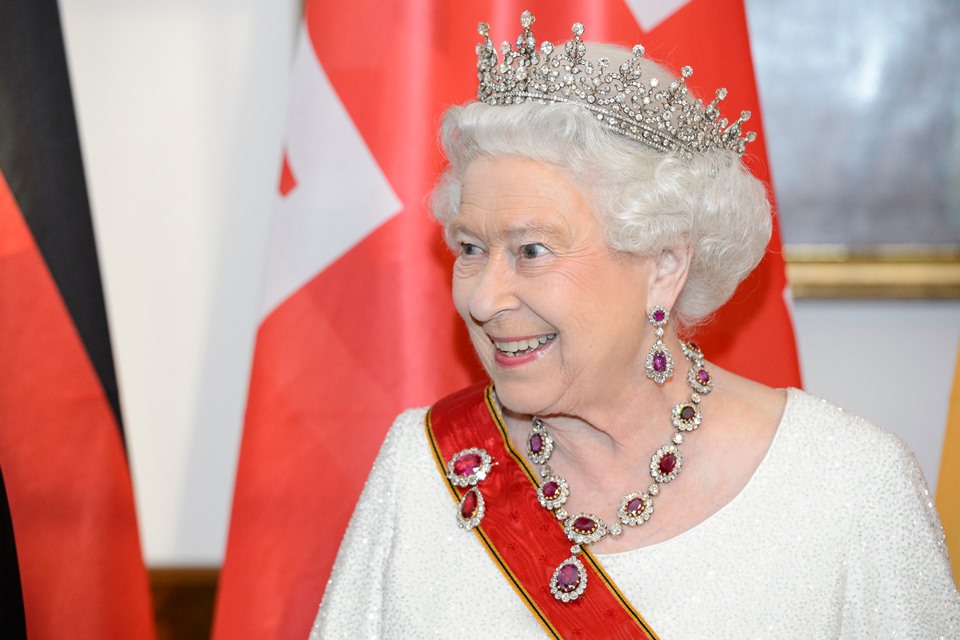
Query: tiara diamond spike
{"x": 664, "y": 118}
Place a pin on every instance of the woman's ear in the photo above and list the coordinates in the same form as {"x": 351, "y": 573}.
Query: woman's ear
{"x": 669, "y": 275}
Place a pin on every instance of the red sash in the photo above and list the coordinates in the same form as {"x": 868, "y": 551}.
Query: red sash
{"x": 525, "y": 541}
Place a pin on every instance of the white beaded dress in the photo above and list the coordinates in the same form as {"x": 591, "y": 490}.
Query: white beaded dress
{"x": 834, "y": 536}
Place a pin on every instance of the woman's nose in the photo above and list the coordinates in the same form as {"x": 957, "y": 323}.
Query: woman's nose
{"x": 495, "y": 290}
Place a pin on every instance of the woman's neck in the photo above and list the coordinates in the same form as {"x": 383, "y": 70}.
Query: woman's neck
{"x": 603, "y": 440}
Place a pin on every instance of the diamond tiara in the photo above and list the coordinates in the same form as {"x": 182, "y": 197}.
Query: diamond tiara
{"x": 664, "y": 118}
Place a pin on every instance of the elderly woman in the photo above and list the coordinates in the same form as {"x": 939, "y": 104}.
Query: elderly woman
{"x": 609, "y": 482}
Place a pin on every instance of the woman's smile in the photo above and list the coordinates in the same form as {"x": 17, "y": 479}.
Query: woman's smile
{"x": 512, "y": 351}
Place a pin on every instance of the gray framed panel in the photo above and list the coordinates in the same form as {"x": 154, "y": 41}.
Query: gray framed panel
{"x": 861, "y": 106}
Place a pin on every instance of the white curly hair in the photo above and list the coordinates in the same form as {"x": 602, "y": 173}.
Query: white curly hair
{"x": 646, "y": 201}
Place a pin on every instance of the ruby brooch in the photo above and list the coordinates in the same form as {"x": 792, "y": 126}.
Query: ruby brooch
{"x": 467, "y": 468}
{"x": 569, "y": 580}
{"x": 471, "y": 509}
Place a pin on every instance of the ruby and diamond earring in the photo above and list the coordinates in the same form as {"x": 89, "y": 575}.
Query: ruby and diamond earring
{"x": 659, "y": 359}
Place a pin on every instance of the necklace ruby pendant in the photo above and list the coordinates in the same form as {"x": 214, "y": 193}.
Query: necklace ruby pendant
{"x": 569, "y": 580}
{"x": 584, "y": 528}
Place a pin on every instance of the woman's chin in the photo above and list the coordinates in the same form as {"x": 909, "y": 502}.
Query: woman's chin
{"x": 522, "y": 400}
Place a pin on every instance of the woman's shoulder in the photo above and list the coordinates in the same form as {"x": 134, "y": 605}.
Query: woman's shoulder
{"x": 406, "y": 430}
{"x": 409, "y": 419}
{"x": 404, "y": 438}
{"x": 815, "y": 418}
{"x": 817, "y": 438}
{"x": 847, "y": 451}
{"x": 815, "y": 424}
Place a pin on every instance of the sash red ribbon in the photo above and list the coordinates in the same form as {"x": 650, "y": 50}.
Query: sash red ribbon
{"x": 525, "y": 541}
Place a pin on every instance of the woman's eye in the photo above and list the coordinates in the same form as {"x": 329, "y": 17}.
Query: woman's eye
{"x": 467, "y": 249}
{"x": 534, "y": 250}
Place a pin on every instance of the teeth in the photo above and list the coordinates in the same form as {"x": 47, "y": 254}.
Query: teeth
{"x": 514, "y": 347}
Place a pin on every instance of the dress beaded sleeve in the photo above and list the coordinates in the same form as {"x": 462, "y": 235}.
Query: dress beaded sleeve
{"x": 899, "y": 583}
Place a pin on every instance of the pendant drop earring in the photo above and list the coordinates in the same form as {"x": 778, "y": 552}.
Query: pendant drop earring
{"x": 659, "y": 359}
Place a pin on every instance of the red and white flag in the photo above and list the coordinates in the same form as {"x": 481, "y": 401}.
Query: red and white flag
{"x": 358, "y": 322}
{"x": 71, "y": 513}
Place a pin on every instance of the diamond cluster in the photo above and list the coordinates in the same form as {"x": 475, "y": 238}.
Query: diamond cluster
{"x": 665, "y": 118}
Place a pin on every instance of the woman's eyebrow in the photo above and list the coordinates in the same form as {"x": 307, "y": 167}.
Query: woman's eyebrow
{"x": 512, "y": 230}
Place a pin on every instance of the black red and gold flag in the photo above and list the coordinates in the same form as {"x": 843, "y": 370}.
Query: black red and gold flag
{"x": 71, "y": 516}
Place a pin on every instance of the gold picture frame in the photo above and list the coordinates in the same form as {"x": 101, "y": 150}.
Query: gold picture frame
{"x": 897, "y": 272}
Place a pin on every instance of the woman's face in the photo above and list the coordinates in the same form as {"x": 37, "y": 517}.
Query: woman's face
{"x": 557, "y": 317}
